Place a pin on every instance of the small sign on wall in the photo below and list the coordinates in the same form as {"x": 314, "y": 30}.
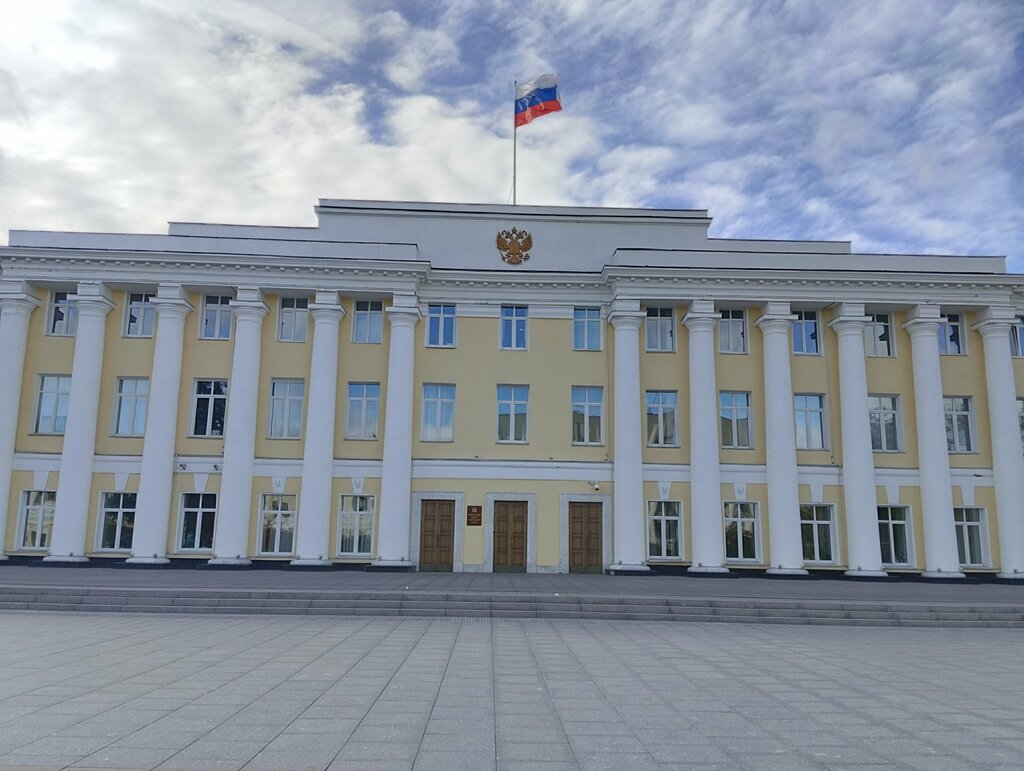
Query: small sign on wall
{"x": 474, "y": 516}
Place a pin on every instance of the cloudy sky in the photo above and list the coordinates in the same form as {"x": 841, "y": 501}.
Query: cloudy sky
{"x": 896, "y": 124}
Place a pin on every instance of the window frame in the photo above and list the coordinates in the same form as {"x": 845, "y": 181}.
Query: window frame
{"x": 587, "y": 404}
{"x": 734, "y": 421}
{"x": 802, "y": 320}
{"x": 653, "y": 516}
{"x": 665, "y": 321}
{"x": 442, "y": 318}
{"x": 213, "y": 398}
{"x": 908, "y": 536}
{"x": 897, "y": 414}
{"x": 660, "y": 412}
{"x": 585, "y": 324}
{"x": 949, "y": 323}
{"x": 69, "y": 323}
{"x": 372, "y": 314}
{"x": 359, "y": 515}
{"x": 517, "y": 389}
{"x": 279, "y": 520}
{"x": 42, "y": 533}
{"x": 364, "y": 401}
{"x": 968, "y": 413}
{"x": 292, "y": 309}
{"x": 120, "y": 510}
{"x": 980, "y": 527}
{"x": 815, "y": 526}
{"x": 871, "y": 349}
{"x": 807, "y": 411}
{"x": 440, "y": 401}
{"x": 201, "y": 510}
{"x": 728, "y": 320}
{"x": 503, "y": 319}
{"x": 219, "y": 309}
{"x": 726, "y": 519}
{"x": 40, "y": 392}
{"x": 146, "y": 315}
{"x": 286, "y": 402}
{"x": 135, "y": 398}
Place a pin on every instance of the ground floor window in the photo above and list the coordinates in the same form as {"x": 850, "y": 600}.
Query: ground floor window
{"x": 894, "y": 535}
{"x": 971, "y": 536}
{"x": 278, "y": 524}
{"x": 355, "y": 528}
{"x": 198, "y": 513}
{"x": 117, "y": 521}
{"x": 817, "y": 532}
{"x": 741, "y": 530}
{"x": 663, "y": 529}
{"x": 37, "y": 518}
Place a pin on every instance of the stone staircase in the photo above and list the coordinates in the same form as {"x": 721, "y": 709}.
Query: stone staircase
{"x": 510, "y": 605}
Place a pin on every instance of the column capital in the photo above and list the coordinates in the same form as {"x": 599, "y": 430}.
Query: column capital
{"x": 849, "y": 319}
{"x": 326, "y": 313}
{"x": 171, "y": 301}
{"x": 17, "y": 302}
{"x": 249, "y": 310}
{"x": 923, "y": 320}
{"x": 995, "y": 320}
{"x": 625, "y": 319}
{"x": 92, "y": 299}
{"x": 701, "y": 316}
{"x": 776, "y": 316}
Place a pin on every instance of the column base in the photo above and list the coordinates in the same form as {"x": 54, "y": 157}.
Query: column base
{"x": 231, "y": 561}
{"x": 4, "y": 558}
{"x": 622, "y": 569}
{"x": 309, "y": 562}
{"x": 858, "y": 573}
{"x": 943, "y": 574}
{"x": 786, "y": 572}
{"x": 147, "y": 561}
{"x": 391, "y": 566}
{"x": 65, "y": 558}
{"x": 1016, "y": 575}
{"x": 707, "y": 569}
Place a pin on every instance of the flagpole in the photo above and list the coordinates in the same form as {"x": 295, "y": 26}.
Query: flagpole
{"x": 515, "y": 85}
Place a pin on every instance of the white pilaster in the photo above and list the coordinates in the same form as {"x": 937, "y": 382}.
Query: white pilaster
{"x": 629, "y": 552}
{"x": 780, "y": 430}
{"x": 234, "y": 510}
{"x": 16, "y": 306}
{"x": 941, "y": 557}
{"x": 708, "y": 541}
{"x": 312, "y": 542}
{"x": 74, "y": 486}
{"x": 864, "y": 553}
{"x": 149, "y": 541}
{"x": 396, "y": 473}
{"x": 1007, "y": 454}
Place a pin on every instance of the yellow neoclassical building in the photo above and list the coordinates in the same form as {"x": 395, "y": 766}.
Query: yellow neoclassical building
{"x": 484, "y": 388}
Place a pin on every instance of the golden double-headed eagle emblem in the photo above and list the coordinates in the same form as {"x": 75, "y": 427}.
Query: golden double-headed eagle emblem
{"x": 514, "y": 245}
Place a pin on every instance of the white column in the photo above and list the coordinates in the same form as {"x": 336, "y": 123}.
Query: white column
{"x": 706, "y": 534}
{"x": 941, "y": 557}
{"x": 74, "y": 486}
{"x": 1007, "y": 454}
{"x": 234, "y": 510}
{"x": 780, "y": 430}
{"x": 628, "y": 544}
{"x": 312, "y": 543}
{"x": 16, "y": 306}
{"x": 396, "y": 476}
{"x": 153, "y": 510}
{"x": 864, "y": 553}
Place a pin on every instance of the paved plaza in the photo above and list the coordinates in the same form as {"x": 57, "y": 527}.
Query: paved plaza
{"x": 155, "y": 691}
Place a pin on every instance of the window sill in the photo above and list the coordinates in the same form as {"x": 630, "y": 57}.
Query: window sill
{"x": 36, "y": 433}
{"x": 366, "y": 342}
{"x": 215, "y": 339}
{"x": 733, "y": 353}
{"x": 587, "y": 350}
{"x": 440, "y": 347}
{"x": 285, "y": 438}
{"x": 727, "y": 447}
{"x": 360, "y": 439}
{"x": 664, "y": 446}
{"x": 205, "y": 436}
{"x": 511, "y": 441}
{"x": 438, "y": 441}
{"x": 588, "y": 444}
{"x": 659, "y": 350}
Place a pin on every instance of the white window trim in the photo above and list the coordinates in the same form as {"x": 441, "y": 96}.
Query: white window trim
{"x": 39, "y": 405}
{"x": 682, "y": 531}
{"x": 671, "y": 328}
{"x": 982, "y": 528}
{"x": 758, "y": 548}
{"x": 735, "y": 423}
{"x": 572, "y": 408}
{"x": 455, "y": 326}
{"x": 100, "y": 517}
{"x": 202, "y": 319}
{"x": 135, "y": 398}
{"x": 600, "y": 329}
{"x": 211, "y": 397}
{"x": 295, "y": 312}
{"x": 423, "y": 411}
{"x": 178, "y": 548}
{"x": 971, "y": 426}
{"x": 51, "y": 308}
{"x": 911, "y": 556}
{"x": 1017, "y": 338}
{"x": 819, "y": 338}
{"x": 23, "y": 521}
{"x": 825, "y": 439}
{"x": 370, "y": 313}
{"x": 512, "y": 414}
{"x": 833, "y": 533}
{"x": 263, "y": 511}
{"x": 364, "y": 401}
{"x": 675, "y": 418}
{"x": 962, "y": 324}
{"x": 870, "y": 351}
{"x": 287, "y": 400}
{"x": 147, "y": 300}
{"x": 512, "y": 320}
{"x": 373, "y": 526}
{"x": 899, "y": 423}
{"x": 745, "y": 334}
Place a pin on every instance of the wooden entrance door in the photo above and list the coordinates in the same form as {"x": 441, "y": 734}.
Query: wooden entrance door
{"x": 437, "y": 536}
{"x": 510, "y": 536}
{"x": 585, "y": 552}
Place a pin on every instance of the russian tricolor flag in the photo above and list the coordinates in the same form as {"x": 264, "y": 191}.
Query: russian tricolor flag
{"x": 537, "y": 97}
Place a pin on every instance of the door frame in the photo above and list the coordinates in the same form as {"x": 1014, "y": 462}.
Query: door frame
{"x": 531, "y": 528}
{"x": 606, "y": 527}
{"x": 417, "y": 519}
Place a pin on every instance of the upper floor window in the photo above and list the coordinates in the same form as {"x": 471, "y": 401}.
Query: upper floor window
{"x": 52, "y": 409}
{"x": 586, "y": 414}
{"x": 441, "y": 326}
{"x": 130, "y": 406}
{"x": 951, "y": 339}
{"x": 1017, "y": 337}
{"x": 286, "y": 408}
{"x": 805, "y": 332}
{"x": 958, "y": 423}
{"x": 732, "y": 332}
{"x": 363, "y": 408}
{"x": 438, "y": 412}
{"x": 661, "y": 418}
{"x": 878, "y": 335}
{"x": 660, "y": 331}
{"x": 734, "y": 417}
{"x": 63, "y": 315}
{"x": 369, "y": 321}
{"x": 216, "y": 317}
{"x": 664, "y": 529}
{"x": 209, "y": 405}
{"x": 139, "y": 315}
{"x": 355, "y": 528}
{"x": 513, "y": 327}
{"x": 884, "y": 417}
{"x": 293, "y": 319}
{"x": 513, "y": 407}
{"x": 586, "y": 329}
{"x": 809, "y": 410}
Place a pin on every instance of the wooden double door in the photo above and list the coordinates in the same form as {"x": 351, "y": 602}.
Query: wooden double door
{"x": 510, "y": 536}
{"x": 437, "y": 536}
{"x": 585, "y": 538}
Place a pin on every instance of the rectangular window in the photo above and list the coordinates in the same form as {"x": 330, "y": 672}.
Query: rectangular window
{"x": 37, "y": 518}
{"x": 63, "y": 316}
{"x": 117, "y": 521}
{"x": 441, "y": 326}
{"x": 587, "y": 402}
{"x": 805, "y": 332}
{"x": 740, "y": 530}
{"x": 971, "y": 538}
{"x": 664, "y": 528}
{"x": 293, "y": 320}
{"x": 198, "y": 516}
{"x": 216, "y": 317}
{"x": 878, "y": 335}
{"x": 661, "y": 418}
{"x": 732, "y": 332}
{"x": 883, "y": 414}
{"x": 355, "y": 526}
{"x": 734, "y": 417}
{"x": 130, "y": 406}
{"x": 513, "y": 405}
{"x": 369, "y": 321}
{"x": 894, "y": 535}
{"x": 52, "y": 409}
{"x": 138, "y": 320}
{"x": 286, "y": 409}
{"x": 1017, "y": 338}
{"x": 209, "y": 406}
{"x": 278, "y": 528}
{"x": 660, "y": 330}
{"x": 958, "y": 423}
{"x": 513, "y": 327}
{"x": 586, "y": 329}
{"x": 809, "y": 410}
{"x": 363, "y": 408}
{"x": 438, "y": 412}
{"x": 817, "y": 532}
{"x": 951, "y": 339}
